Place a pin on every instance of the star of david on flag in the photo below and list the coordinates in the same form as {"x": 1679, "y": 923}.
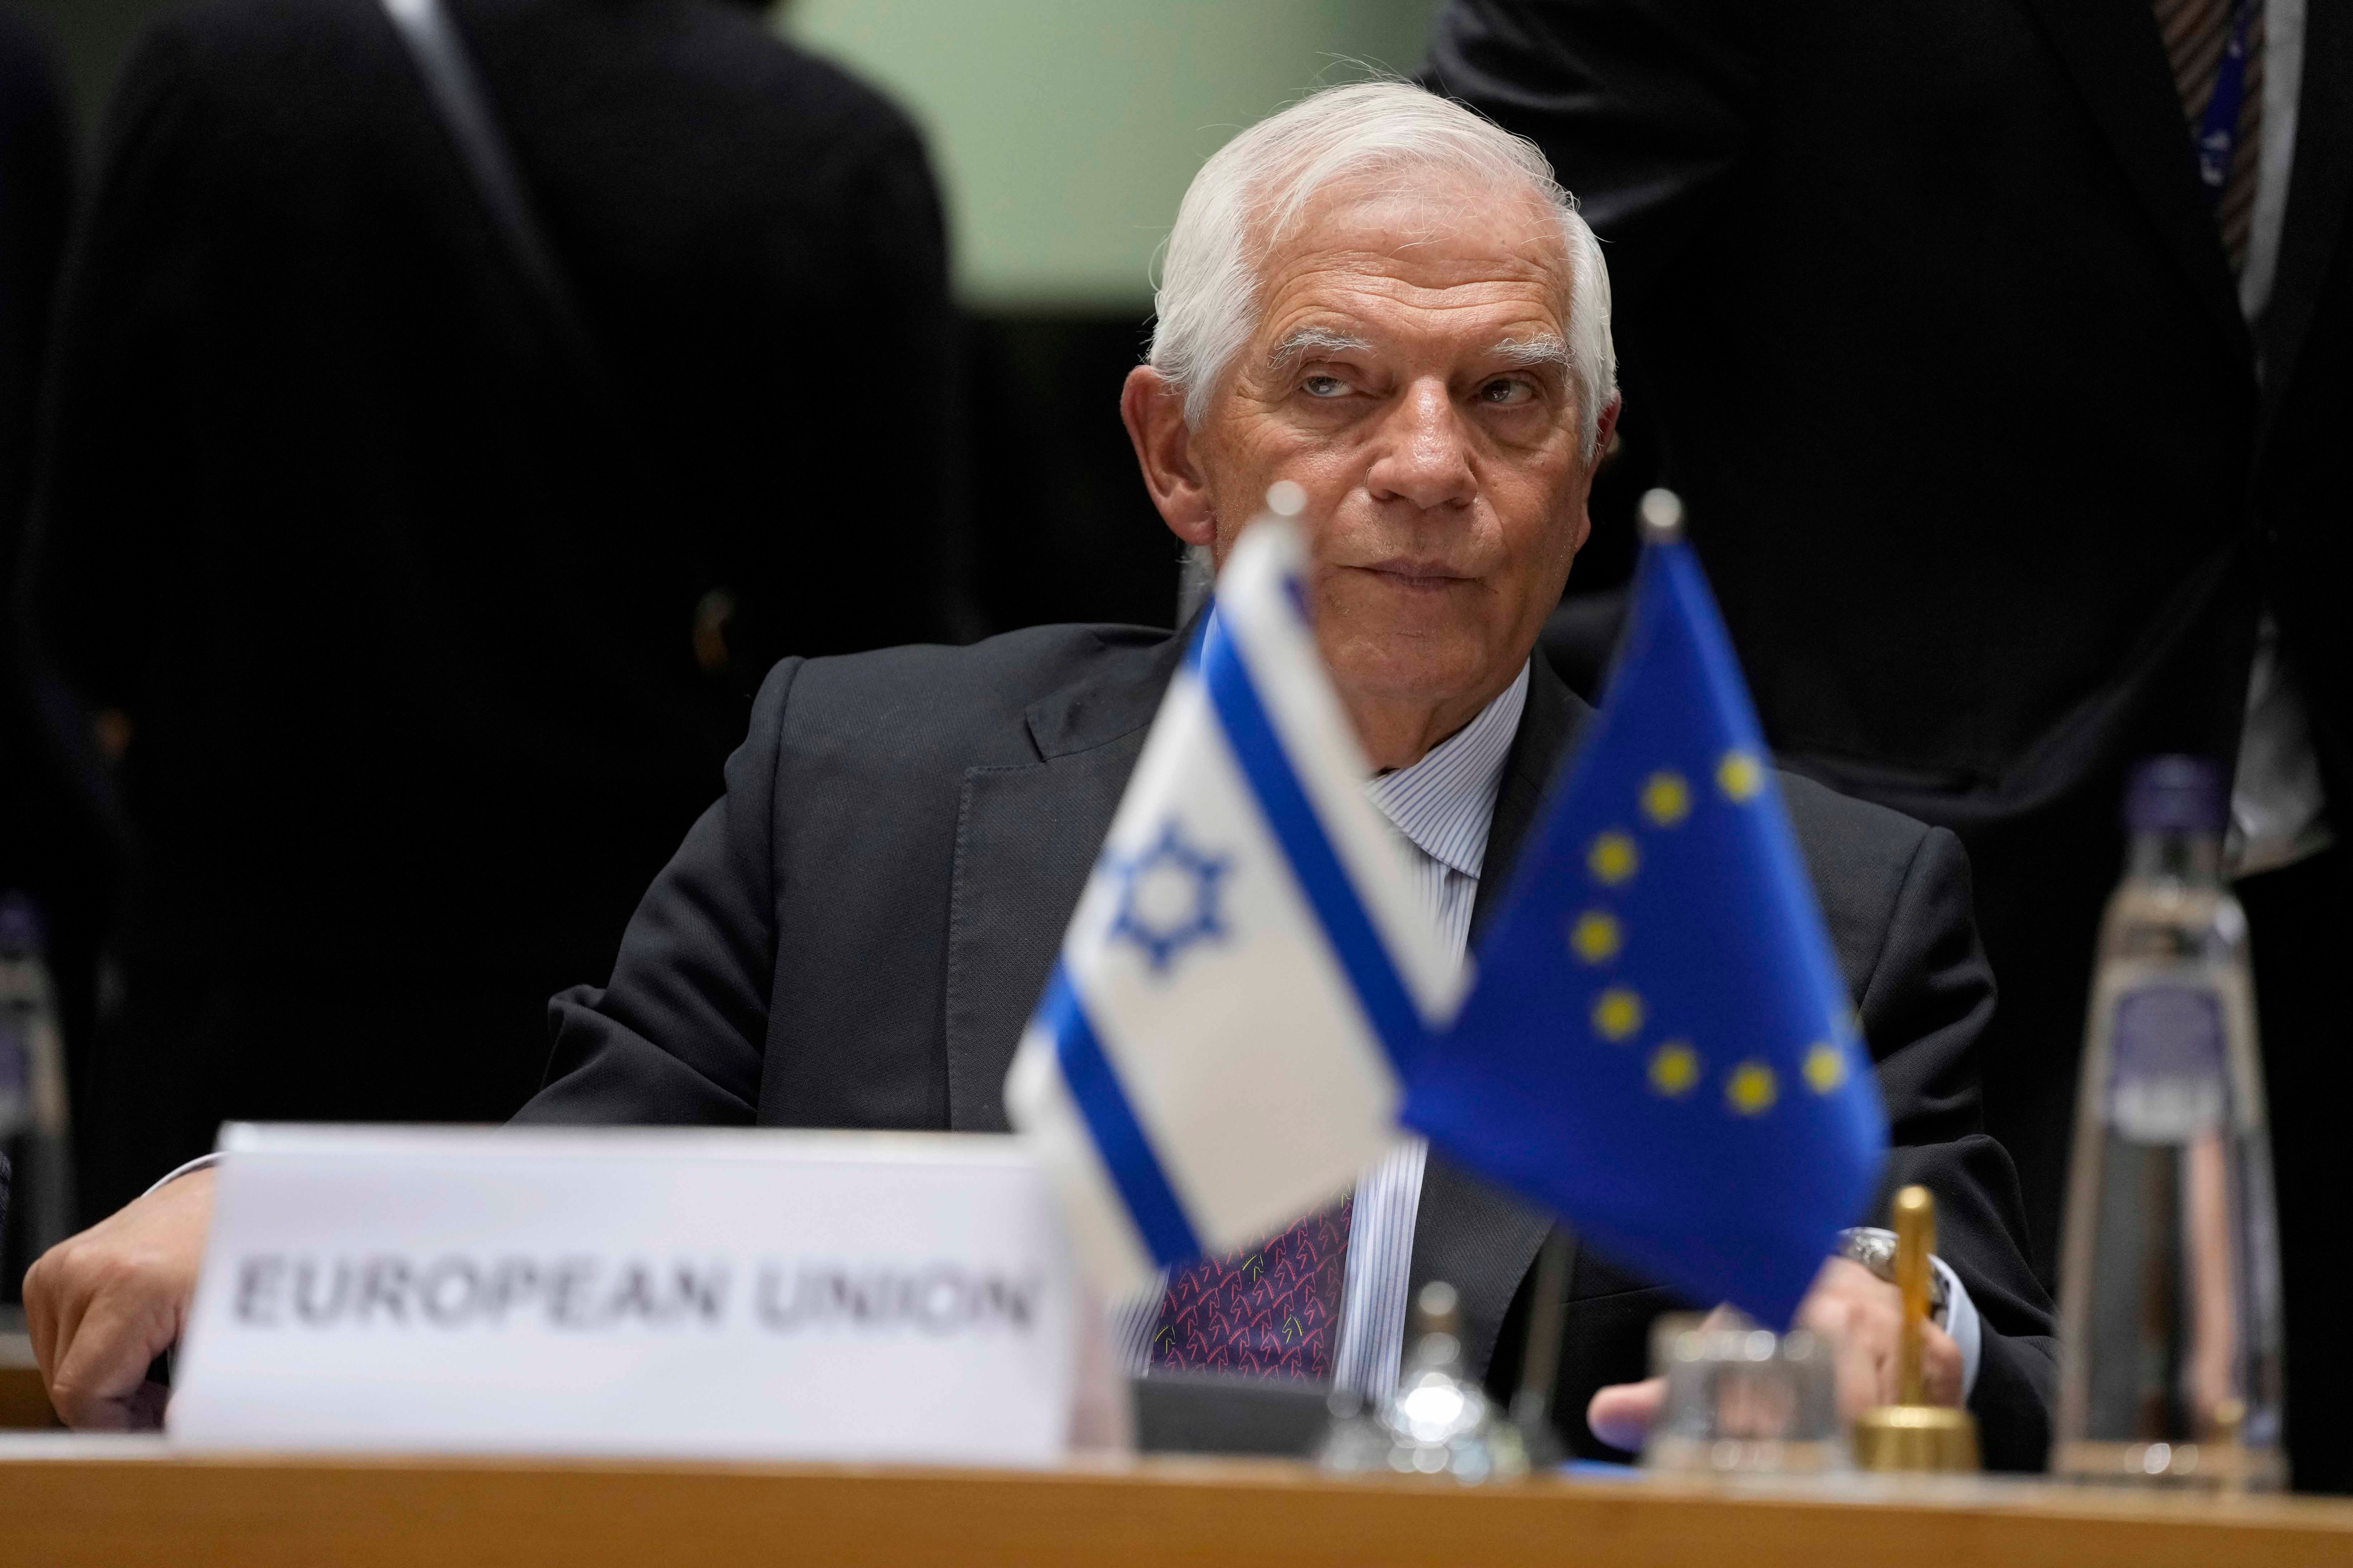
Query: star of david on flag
{"x": 1659, "y": 1047}
{"x": 1168, "y": 897}
{"x": 1219, "y": 1049}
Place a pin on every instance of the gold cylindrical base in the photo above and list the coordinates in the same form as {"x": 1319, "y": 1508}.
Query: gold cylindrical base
{"x": 1915, "y": 1437}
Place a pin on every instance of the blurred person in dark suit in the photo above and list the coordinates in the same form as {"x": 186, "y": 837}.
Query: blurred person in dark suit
{"x": 2015, "y": 439}
{"x": 55, "y": 838}
{"x": 388, "y": 608}
{"x": 35, "y": 201}
{"x": 36, "y": 195}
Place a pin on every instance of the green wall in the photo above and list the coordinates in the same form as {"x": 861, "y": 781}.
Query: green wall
{"x": 91, "y": 38}
{"x": 1065, "y": 130}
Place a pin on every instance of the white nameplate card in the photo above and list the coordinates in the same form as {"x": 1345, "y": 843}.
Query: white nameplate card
{"x": 725, "y": 1294}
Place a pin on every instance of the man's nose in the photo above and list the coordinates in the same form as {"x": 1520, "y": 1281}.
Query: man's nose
{"x": 1426, "y": 455}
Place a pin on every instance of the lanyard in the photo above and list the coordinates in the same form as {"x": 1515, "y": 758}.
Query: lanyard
{"x": 2218, "y": 132}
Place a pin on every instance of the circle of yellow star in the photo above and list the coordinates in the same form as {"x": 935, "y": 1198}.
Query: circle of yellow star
{"x": 1666, "y": 799}
{"x": 1617, "y": 1012}
{"x": 1752, "y": 1088}
{"x": 1825, "y": 1067}
{"x": 1612, "y": 858}
{"x": 1739, "y": 775}
{"x": 1595, "y": 937}
{"x": 1674, "y": 1068}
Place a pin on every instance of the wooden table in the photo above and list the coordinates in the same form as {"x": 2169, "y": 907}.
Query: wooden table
{"x": 68, "y": 1500}
{"x": 24, "y": 1398}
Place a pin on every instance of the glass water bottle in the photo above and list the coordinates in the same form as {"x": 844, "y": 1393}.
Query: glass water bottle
{"x": 2170, "y": 1294}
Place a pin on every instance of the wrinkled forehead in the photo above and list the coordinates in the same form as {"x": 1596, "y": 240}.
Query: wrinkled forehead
{"x": 1423, "y": 240}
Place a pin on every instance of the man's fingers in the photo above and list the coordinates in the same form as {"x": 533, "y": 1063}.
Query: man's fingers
{"x": 140, "y": 1410}
{"x": 66, "y": 1299}
{"x": 40, "y": 1316}
{"x": 107, "y": 1302}
{"x": 1854, "y": 1363}
{"x": 102, "y": 1368}
{"x": 146, "y": 1406}
{"x": 1861, "y": 1315}
{"x": 1863, "y": 1376}
{"x": 1622, "y": 1413}
{"x": 1940, "y": 1368}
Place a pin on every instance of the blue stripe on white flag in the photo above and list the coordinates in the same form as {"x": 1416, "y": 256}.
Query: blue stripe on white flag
{"x": 1125, "y": 1148}
{"x": 1251, "y": 735}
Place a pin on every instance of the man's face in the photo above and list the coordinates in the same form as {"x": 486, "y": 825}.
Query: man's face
{"x": 1409, "y": 373}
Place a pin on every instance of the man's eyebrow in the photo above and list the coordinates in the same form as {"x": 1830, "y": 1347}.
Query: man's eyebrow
{"x": 1310, "y": 340}
{"x": 1533, "y": 353}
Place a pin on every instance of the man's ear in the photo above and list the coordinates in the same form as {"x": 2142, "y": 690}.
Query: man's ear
{"x": 1154, "y": 412}
{"x": 1604, "y": 429}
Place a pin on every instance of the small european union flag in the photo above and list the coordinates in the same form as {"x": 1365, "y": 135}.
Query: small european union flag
{"x": 1659, "y": 1047}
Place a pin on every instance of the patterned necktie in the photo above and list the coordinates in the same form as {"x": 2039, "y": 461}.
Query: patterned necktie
{"x": 1270, "y": 1310}
{"x": 2196, "y": 34}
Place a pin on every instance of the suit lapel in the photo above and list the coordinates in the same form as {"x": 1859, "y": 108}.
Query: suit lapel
{"x": 1027, "y": 837}
{"x": 1466, "y": 1232}
{"x": 1548, "y": 723}
{"x": 2320, "y": 188}
{"x": 2111, "y": 50}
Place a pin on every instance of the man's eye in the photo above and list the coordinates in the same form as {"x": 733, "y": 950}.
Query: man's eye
{"x": 1324, "y": 386}
{"x": 1506, "y": 392}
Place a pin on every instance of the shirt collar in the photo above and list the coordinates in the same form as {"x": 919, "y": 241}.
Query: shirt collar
{"x": 1444, "y": 803}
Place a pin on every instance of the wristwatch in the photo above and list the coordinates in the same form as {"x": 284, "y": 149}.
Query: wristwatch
{"x": 1875, "y": 1250}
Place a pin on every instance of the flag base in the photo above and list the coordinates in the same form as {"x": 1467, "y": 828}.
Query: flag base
{"x": 1915, "y": 1439}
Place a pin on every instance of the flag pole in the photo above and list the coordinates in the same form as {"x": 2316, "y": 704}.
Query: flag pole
{"x": 1540, "y": 1355}
{"x": 1662, "y": 514}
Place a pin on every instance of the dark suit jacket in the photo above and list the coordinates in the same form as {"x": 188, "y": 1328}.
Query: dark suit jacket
{"x": 35, "y": 197}
{"x": 55, "y": 842}
{"x": 401, "y": 608}
{"x": 1990, "y": 473}
{"x": 856, "y": 935}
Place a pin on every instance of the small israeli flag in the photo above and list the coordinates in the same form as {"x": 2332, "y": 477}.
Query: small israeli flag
{"x": 1248, "y": 973}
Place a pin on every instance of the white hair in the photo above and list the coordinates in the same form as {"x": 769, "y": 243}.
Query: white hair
{"x": 1252, "y": 190}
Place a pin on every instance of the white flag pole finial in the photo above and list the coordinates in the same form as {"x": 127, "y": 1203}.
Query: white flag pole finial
{"x": 1663, "y": 517}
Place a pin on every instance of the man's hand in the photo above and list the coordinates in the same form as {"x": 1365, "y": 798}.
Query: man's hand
{"x": 104, "y": 1304}
{"x": 1861, "y": 1314}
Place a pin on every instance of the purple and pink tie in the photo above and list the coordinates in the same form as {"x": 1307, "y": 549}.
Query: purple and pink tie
{"x": 1270, "y": 1310}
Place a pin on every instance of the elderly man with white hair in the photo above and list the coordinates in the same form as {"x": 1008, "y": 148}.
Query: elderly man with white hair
{"x": 1387, "y": 301}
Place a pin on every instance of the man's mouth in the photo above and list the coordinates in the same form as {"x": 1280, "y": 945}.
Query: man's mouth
{"x": 1426, "y": 576}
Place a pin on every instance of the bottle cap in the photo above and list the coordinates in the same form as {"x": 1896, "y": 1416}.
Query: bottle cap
{"x": 20, "y": 924}
{"x": 1436, "y": 1310}
{"x": 2176, "y": 794}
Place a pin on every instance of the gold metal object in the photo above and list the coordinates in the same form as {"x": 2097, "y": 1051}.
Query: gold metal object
{"x": 1911, "y": 1433}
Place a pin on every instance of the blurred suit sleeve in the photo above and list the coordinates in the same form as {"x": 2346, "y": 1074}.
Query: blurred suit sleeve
{"x": 1643, "y": 106}
{"x": 106, "y": 540}
{"x": 1931, "y": 992}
